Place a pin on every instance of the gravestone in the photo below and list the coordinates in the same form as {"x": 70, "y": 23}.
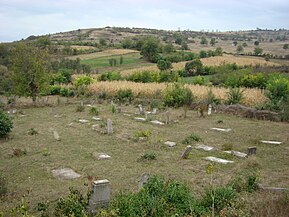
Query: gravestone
{"x": 221, "y": 129}
{"x": 65, "y": 173}
{"x": 186, "y": 153}
{"x": 209, "y": 109}
{"x": 170, "y": 144}
{"x": 143, "y": 180}
{"x": 252, "y": 151}
{"x": 140, "y": 109}
{"x": 168, "y": 114}
{"x": 100, "y": 156}
{"x": 271, "y": 142}
{"x": 205, "y": 147}
{"x": 236, "y": 153}
{"x": 109, "y": 126}
{"x": 154, "y": 111}
{"x": 140, "y": 119}
{"x": 56, "y": 135}
{"x": 100, "y": 195}
{"x": 157, "y": 122}
{"x": 83, "y": 121}
{"x": 218, "y": 160}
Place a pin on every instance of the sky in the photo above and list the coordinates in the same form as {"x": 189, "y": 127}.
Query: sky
{"x": 22, "y": 18}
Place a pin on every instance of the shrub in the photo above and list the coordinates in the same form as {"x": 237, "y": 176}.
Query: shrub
{"x": 32, "y": 131}
{"x": 125, "y": 95}
{"x": 254, "y": 81}
{"x": 73, "y": 205}
{"x": 54, "y": 89}
{"x": 94, "y": 111}
{"x": 211, "y": 98}
{"x": 6, "y": 124}
{"x": 176, "y": 95}
{"x": 191, "y": 138}
{"x": 149, "y": 156}
{"x": 235, "y": 96}
{"x": 83, "y": 80}
{"x": 110, "y": 76}
{"x": 64, "y": 91}
{"x": 277, "y": 91}
{"x": 200, "y": 80}
{"x": 194, "y": 67}
{"x": 143, "y": 133}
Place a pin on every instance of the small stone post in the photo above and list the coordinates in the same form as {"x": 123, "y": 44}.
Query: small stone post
{"x": 209, "y": 109}
{"x": 252, "y": 151}
{"x": 109, "y": 126}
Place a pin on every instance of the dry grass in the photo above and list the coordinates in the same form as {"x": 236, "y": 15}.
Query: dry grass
{"x": 252, "y": 96}
{"x": 78, "y": 47}
{"x": 105, "y": 53}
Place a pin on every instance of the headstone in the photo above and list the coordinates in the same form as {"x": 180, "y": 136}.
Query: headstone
{"x": 170, "y": 144}
{"x": 186, "y": 153}
{"x": 140, "y": 109}
{"x": 209, "y": 109}
{"x": 139, "y": 119}
{"x": 221, "y": 129}
{"x": 83, "y": 121}
{"x": 95, "y": 127}
{"x": 109, "y": 126}
{"x": 56, "y": 135}
{"x": 101, "y": 156}
{"x": 218, "y": 160}
{"x": 205, "y": 147}
{"x": 143, "y": 180}
{"x": 100, "y": 195}
{"x": 236, "y": 153}
{"x": 154, "y": 111}
{"x": 271, "y": 142}
{"x": 252, "y": 151}
{"x": 168, "y": 114}
{"x": 96, "y": 118}
{"x": 65, "y": 173}
{"x": 157, "y": 122}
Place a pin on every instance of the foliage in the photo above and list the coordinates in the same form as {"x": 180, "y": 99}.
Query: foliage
{"x": 125, "y": 95}
{"x": 258, "y": 80}
{"x": 6, "y": 124}
{"x": 5, "y": 81}
{"x": 191, "y": 138}
{"x": 62, "y": 77}
{"x": 110, "y": 76}
{"x": 277, "y": 91}
{"x": 157, "y": 198}
{"x": 149, "y": 49}
{"x": 3, "y": 185}
{"x": 29, "y": 66}
{"x": 145, "y": 77}
{"x": 204, "y": 40}
{"x": 285, "y": 46}
{"x": 72, "y": 205}
{"x": 176, "y": 95}
{"x": 258, "y": 51}
{"x": 245, "y": 182}
{"x": 164, "y": 65}
{"x": 149, "y": 155}
{"x": 143, "y": 133}
{"x": 194, "y": 67}
{"x": 211, "y": 98}
{"x": 54, "y": 89}
{"x": 32, "y": 131}
{"x": 240, "y": 49}
{"x": 65, "y": 91}
{"x": 200, "y": 80}
{"x": 80, "y": 108}
{"x": 83, "y": 80}
{"x": 235, "y": 96}
{"x": 94, "y": 111}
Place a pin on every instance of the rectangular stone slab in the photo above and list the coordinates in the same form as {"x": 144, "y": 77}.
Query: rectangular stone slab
{"x": 236, "y": 153}
{"x": 139, "y": 119}
{"x": 157, "y": 122}
{"x": 170, "y": 144}
{"x": 218, "y": 160}
{"x": 221, "y": 129}
{"x": 271, "y": 142}
{"x": 205, "y": 147}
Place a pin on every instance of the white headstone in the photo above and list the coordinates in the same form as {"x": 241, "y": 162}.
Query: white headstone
{"x": 109, "y": 126}
{"x": 271, "y": 142}
{"x": 83, "y": 121}
{"x": 143, "y": 180}
{"x": 140, "y": 109}
{"x": 96, "y": 118}
{"x": 157, "y": 122}
{"x": 170, "y": 144}
{"x": 56, "y": 135}
{"x": 236, "y": 153}
{"x": 65, "y": 173}
{"x": 209, "y": 109}
{"x": 139, "y": 119}
{"x": 218, "y": 160}
{"x": 221, "y": 129}
{"x": 205, "y": 147}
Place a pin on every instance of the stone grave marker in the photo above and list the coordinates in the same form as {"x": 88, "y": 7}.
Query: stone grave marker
{"x": 65, "y": 173}
{"x": 100, "y": 156}
{"x": 96, "y": 118}
{"x": 209, "y": 109}
{"x": 236, "y": 153}
{"x": 186, "y": 153}
{"x": 100, "y": 196}
{"x": 170, "y": 144}
{"x": 109, "y": 126}
{"x": 218, "y": 160}
{"x": 271, "y": 142}
{"x": 143, "y": 180}
{"x": 157, "y": 122}
{"x": 56, "y": 135}
{"x": 221, "y": 129}
{"x": 205, "y": 147}
{"x": 83, "y": 121}
{"x": 140, "y": 109}
{"x": 252, "y": 151}
{"x": 140, "y": 119}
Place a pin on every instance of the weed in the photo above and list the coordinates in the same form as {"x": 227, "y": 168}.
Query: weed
{"x": 80, "y": 108}
{"x": 32, "y": 131}
{"x": 6, "y": 124}
{"x": 235, "y": 96}
{"x": 191, "y": 138}
{"x": 143, "y": 133}
{"x": 19, "y": 152}
{"x": 3, "y": 185}
{"x": 149, "y": 156}
{"x": 94, "y": 111}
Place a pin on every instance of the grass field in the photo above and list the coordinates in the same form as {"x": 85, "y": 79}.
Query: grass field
{"x": 32, "y": 172}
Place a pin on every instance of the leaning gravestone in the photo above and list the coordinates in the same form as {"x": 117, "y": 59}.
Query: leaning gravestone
{"x": 143, "y": 180}
{"x": 65, "y": 173}
{"x": 252, "y": 151}
{"x": 100, "y": 195}
{"x": 186, "y": 153}
{"x": 109, "y": 126}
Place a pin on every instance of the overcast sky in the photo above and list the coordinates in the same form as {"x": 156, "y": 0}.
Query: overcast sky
{"x": 22, "y": 18}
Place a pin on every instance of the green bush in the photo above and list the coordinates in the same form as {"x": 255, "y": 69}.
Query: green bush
{"x": 6, "y": 124}
{"x": 191, "y": 138}
{"x": 277, "y": 91}
{"x": 125, "y": 95}
{"x": 64, "y": 91}
{"x": 145, "y": 77}
{"x": 3, "y": 185}
{"x": 258, "y": 80}
{"x": 54, "y": 89}
{"x": 149, "y": 155}
{"x": 176, "y": 95}
{"x": 200, "y": 80}
{"x": 94, "y": 111}
{"x": 83, "y": 80}
{"x": 110, "y": 76}
{"x": 72, "y": 205}
{"x": 235, "y": 96}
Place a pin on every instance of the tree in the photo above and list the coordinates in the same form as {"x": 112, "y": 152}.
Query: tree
{"x": 213, "y": 41}
{"x": 219, "y": 51}
{"x": 164, "y": 65}
{"x": 258, "y": 51}
{"x": 204, "y": 40}
{"x": 168, "y": 48}
{"x": 240, "y": 49}
{"x": 150, "y": 48}
{"x": 285, "y": 46}
{"x": 256, "y": 43}
{"x": 30, "y": 74}
{"x": 194, "y": 68}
